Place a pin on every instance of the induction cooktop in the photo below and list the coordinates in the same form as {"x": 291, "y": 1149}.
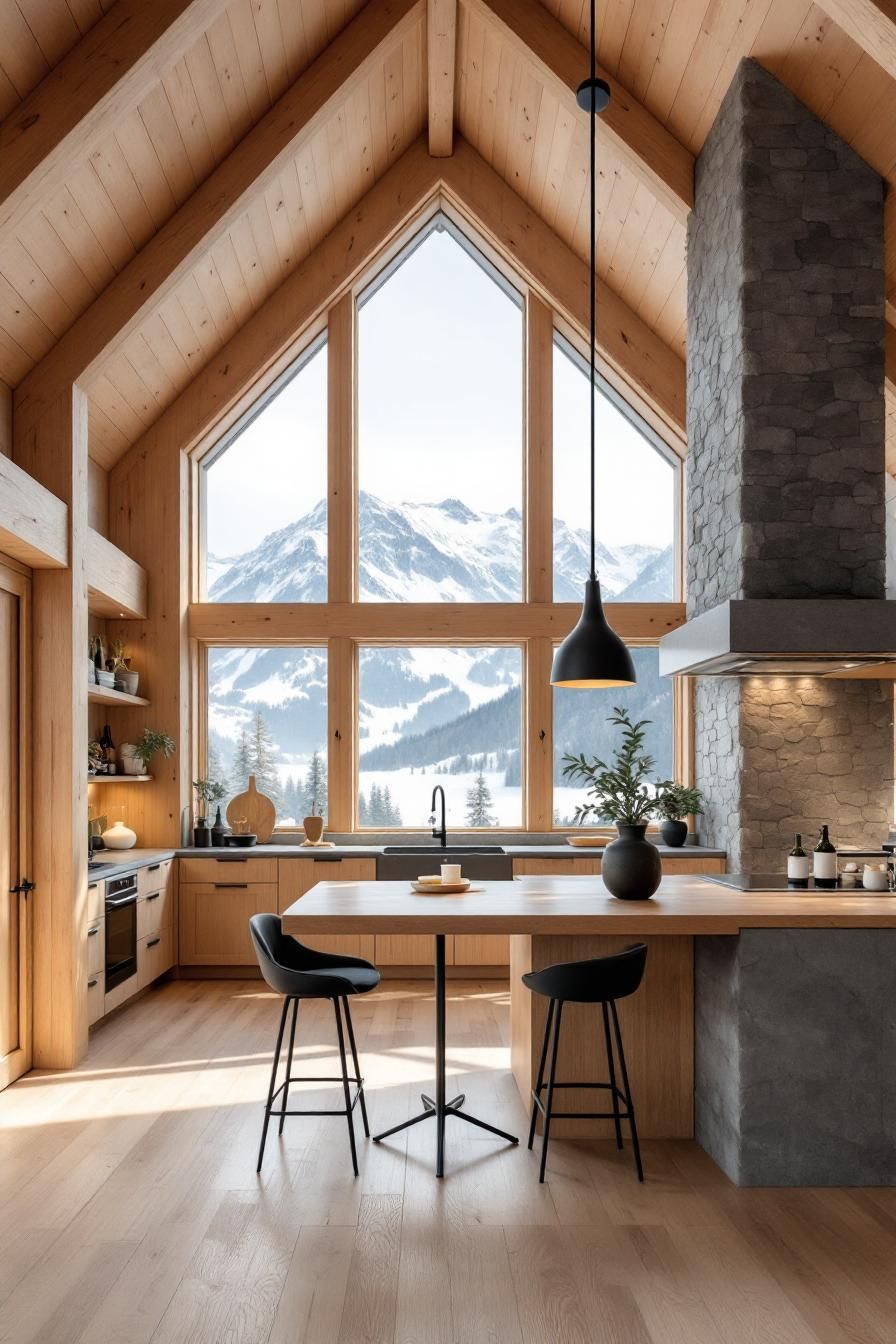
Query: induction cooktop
{"x": 762, "y": 882}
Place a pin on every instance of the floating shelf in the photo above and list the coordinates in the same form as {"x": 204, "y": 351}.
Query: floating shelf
{"x": 103, "y": 695}
{"x": 119, "y": 779}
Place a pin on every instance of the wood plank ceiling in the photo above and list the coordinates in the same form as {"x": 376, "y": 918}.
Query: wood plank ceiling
{"x": 675, "y": 57}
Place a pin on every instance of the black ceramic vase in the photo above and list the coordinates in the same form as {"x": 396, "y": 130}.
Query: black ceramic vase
{"x": 630, "y": 867}
{"x": 674, "y": 833}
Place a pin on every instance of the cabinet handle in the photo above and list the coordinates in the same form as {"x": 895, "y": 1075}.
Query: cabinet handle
{"x": 334, "y": 859}
{"x": 153, "y": 867}
{"x": 92, "y": 984}
{"x": 91, "y": 933}
{"x": 238, "y": 886}
{"x": 154, "y": 896}
{"x": 231, "y": 860}
{"x": 154, "y": 942}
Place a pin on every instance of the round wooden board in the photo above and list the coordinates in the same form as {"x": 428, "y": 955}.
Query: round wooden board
{"x": 587, "y": 841}
{"x": 254, "y": 808}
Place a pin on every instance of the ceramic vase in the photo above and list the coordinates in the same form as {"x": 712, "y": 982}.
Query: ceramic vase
{"x": 674, "y": 833}
{"x": 119, "y": 836}
{"x": 314, "y": 829}
{"x": 631, "y": 867}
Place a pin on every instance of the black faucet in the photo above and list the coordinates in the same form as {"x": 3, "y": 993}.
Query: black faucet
{"x": 439, "y": 833}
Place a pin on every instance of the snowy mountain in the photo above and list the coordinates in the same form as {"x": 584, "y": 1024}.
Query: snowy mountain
{"x": 431, "y": 553}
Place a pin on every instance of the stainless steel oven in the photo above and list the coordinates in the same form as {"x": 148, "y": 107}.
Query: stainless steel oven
{"x": 121, "y": 929}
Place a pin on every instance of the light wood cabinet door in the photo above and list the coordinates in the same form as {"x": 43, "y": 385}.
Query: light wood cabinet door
{"x": 96, "y": 901}
{"x": 301, "y": 874}
{"x": 214, "y": 921}
{"x": 96, "y": 947}
{"x": 481, "y": 949}
{"x": 155, "y": 877}
{"x": 228, "y": 866}
{"x": 155, "y": 912}
{"x": 96, "y": 997}
{"x": 410, "y": 949}
{"x": 155, "y": 955}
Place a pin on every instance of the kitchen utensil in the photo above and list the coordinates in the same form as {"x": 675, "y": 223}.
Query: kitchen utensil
{"x": 255, "y": 809}
{"x": 587, "y": 841}
{"x": 244, "y": 841}
{"x": 443, "y": 888}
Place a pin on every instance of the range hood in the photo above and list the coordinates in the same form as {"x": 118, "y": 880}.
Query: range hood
{"x": 781, "y": 637}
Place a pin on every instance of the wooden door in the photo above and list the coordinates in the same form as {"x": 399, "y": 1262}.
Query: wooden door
{"x": 15, "y": 926}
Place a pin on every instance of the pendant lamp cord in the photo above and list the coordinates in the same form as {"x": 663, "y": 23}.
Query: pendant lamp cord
{"x": 593, "y": 171}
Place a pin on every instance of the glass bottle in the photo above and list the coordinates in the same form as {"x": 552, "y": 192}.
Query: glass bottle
{"x": 824, "y": 861}
{"x": 799, "y": 865}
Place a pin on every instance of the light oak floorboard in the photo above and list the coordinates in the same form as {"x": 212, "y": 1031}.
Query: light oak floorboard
{"x": 130, "y": 1212}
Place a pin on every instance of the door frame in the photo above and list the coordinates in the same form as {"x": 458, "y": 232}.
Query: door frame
{"x": 16, "y": 580}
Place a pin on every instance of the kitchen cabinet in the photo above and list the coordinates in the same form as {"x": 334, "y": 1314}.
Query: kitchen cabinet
{"x": 299, "y": 875}
{"x": 228, "y": 868}
{"x": 155, "y": 955}
{"x": 96, "y": 996}
{"x": 214, "y": 920}
{"x": 96, "y": 947}
{"x": 155, "y": 877}
{"x": 96, "y": 901}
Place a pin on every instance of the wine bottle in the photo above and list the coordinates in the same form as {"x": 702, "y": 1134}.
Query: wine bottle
{"x": 824, "y": 861}
{"x": 108, "y": 747}
{"x": 798, "y": 865}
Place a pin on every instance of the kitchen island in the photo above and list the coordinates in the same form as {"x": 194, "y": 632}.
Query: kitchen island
{"x": 752, "y": 1003}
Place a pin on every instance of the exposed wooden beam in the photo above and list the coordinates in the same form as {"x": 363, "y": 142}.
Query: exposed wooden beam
{"x": 871, "y": 24}
{"x": 561, "y": 62}
{"x": 33, "y": 522}
{"x": 117, "y": 584}
{"x": 627, "y": 348}
{"x": 265, "y": 345}
{"x": 495, "y": 622}
{"x": 293, "y": 120}
{"x": 441, "y": 59}
{"x": 92, "y": 89}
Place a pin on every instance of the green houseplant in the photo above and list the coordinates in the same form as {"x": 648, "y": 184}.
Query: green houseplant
{"x": 674, "y": 803}
{"x": 208, "y": 792}
{"x": 150, "y": 744}
{"x": 619, "y": 790}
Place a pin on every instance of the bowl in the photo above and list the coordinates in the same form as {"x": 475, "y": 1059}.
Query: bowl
{"x": 241, "y": 841}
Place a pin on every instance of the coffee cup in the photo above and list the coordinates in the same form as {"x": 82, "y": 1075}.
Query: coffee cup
{"x": 450, "y": 873}
{"x": 875, "y": 878}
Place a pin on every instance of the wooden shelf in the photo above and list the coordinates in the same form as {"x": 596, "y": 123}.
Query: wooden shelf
{"x": 103, "y": 695}
{"x": 119, "y": 779}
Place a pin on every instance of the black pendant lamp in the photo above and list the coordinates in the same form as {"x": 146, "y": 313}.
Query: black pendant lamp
{"x": 592, "y": 655}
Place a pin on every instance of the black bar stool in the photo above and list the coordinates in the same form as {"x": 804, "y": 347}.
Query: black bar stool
{"x": 602, "y": 980}
{"x": 297, "y": 972}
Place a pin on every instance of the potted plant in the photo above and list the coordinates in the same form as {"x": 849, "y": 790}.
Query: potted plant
{"x": 125, "y": 679}
{"x": 150, "y": 744}
{"x": 618, "y": 791}
{"x": 674, "y": 802}
{"x": 208, "y": 791}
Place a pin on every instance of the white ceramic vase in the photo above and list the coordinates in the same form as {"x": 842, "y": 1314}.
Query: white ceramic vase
{"x": 131, "y": 764}
{"x": 119, "y": 836}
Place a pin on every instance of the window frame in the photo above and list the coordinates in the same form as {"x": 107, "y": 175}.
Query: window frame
{"x": 344, "y": 624}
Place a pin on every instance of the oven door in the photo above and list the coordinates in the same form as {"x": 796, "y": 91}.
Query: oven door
{"x": 121, "y": 941}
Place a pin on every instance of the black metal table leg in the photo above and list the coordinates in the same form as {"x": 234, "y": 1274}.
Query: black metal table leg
{"x": 438, "y": 1108}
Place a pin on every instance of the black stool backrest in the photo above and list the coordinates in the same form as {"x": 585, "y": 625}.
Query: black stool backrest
{"x": 280, "y": 957}
{"x": 597, "y": 980}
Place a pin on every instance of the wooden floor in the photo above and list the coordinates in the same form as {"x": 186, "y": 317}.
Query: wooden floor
{"x": 130, "y": 1210}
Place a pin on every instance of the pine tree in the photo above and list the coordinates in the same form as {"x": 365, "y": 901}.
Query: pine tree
{"x": 479, "y": 800}
{"x": 216, "y": 770}
{"x": 263, "y": 753}
{"x": 363, "y": 809}
{"x": 391, "y": 814}
{"x": 243, "y": 763}
{"x": 376, "y": 806}
{"x": 315, "y": 794}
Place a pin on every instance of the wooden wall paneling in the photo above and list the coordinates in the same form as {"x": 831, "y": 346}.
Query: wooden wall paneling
{"x": 54, "y": 451}
{"x": 221, "y": 201}
{"x": 100, "y": 80}
{"x": 159, "y": 644}
{"x": 539, "y": 450}
{"x": 5, "y": 420}
{"x": 441, "y": 48}
{"x": 416, "y": 622}
{"x": 629, "y": 351}
{"x": 117, "y": 585}
{"x": 97, "y": 498}
{"x": 341, "y": 715}
{"x": 341, "y": 455}
{"x": 651, "y": 152}
{"x": 33, "y": 521}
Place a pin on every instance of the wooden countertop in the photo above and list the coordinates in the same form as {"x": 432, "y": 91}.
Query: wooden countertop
{"x": 564, "y": 905}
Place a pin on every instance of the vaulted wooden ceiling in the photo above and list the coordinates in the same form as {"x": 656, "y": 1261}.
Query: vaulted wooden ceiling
{"x": 234, "y": 136}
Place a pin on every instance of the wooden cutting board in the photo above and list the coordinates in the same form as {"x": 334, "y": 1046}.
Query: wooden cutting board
{"x": 255, "y": 809}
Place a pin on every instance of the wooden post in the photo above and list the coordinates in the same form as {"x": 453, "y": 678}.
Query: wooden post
{"x": 54, "y": 451}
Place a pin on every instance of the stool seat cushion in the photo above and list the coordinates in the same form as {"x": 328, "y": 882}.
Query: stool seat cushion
{"x": 597, "y": 980}
{"x": 291, "y": 968}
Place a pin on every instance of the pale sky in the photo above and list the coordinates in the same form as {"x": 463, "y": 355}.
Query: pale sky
{"x": 440, "y": 390}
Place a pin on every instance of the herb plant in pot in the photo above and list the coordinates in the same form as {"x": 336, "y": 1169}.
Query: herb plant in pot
{"x": 618, "y": 791}
{"x": 208, "y": 792}
{"x": 150, "y": 744}
{"x": 674, "y": 803}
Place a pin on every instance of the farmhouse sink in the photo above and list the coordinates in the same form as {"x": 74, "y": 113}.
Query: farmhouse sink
{"x": 406, "y": 862}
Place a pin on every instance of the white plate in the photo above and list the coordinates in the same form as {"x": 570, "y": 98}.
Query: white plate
{"x": 443, "y": 888}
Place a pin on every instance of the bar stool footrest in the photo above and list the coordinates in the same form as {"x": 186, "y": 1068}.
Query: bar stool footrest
{"x": 359, "y": 1089}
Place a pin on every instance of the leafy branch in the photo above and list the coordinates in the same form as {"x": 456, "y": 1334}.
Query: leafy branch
{"x": 618, "y": 790}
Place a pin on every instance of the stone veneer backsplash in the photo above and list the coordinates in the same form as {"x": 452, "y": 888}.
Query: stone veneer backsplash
{"x": 786, "y": 470}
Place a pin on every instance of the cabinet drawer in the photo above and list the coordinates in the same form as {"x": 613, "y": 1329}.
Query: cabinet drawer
{"x": 96, "y": 947}
{"x": 228, "y": 869}
{"x": 121, "y": 993}
{"x": 154, "y": 912}
{"x": 296, "y": 876}
{"x": 156, "y": 877}
{"x": 410, "y": 949}
{"x": 155, "y": 955}
{"x": 96, "y": 901}
{"x": 214, "y": 921}
{"x": 481, "y": 949}
{"x": 571, "y": 867}
{"x": 96, "y": 996}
